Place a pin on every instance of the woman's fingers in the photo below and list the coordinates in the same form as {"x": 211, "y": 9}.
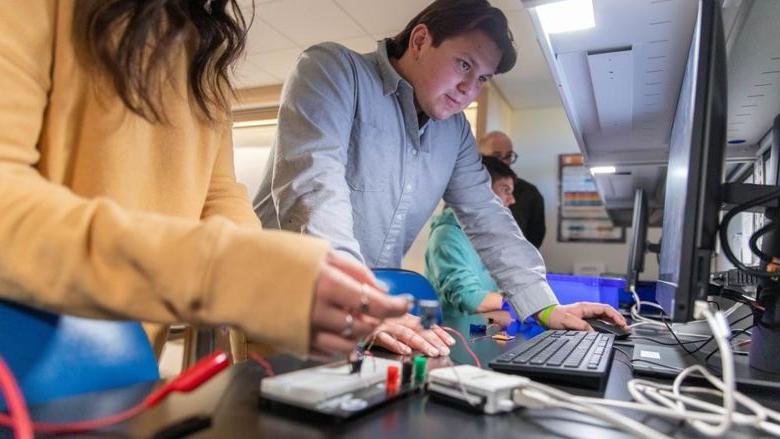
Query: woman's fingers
{"x": 330, "y": 319}
{"x": 340, "y": 289}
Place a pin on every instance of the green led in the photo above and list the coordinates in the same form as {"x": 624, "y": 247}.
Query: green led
{"x": 419, "y": 369}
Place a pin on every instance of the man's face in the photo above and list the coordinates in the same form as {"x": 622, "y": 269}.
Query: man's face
{"x": 446, "y": 79}
{"x": 504, "y": 187}
{"x": 500, "y": 147}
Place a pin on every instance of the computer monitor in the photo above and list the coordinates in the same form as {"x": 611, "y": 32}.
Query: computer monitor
{"x": 638, "y": 245}
{"x": 694, "y": 174}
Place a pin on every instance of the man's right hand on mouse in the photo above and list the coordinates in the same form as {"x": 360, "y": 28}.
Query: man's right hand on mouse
{"x": 571, "y": 316}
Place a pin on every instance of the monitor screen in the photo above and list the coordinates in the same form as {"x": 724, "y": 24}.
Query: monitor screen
{"x": 694, "y": 174}
{"x": 637, "y": 246}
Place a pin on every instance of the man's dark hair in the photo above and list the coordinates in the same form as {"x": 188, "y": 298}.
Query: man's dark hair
{"x": 451, "y": 18}
{"x": 497, "y": 169}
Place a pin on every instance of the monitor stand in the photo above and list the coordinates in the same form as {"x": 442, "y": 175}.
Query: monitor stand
{"x": 766, "y": 330}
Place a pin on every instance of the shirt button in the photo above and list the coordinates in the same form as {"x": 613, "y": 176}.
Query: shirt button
{"x": 399, "y": 217}
{"x": 408, "y": 188}
{"x": 414, "y": 152}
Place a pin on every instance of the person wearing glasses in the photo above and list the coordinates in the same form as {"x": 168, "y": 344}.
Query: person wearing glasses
{"x": 368, "y": 144}
{"x": 528, "y": 208}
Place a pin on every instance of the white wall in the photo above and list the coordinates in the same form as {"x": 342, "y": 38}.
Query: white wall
{"x": 539, "y": 136}
{"x": 499, "y": 113}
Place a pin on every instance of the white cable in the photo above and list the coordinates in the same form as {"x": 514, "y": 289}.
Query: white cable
{"x": 673, "y": 401}
{"x": 553, "y": 397}
{"x": 644, "y": 321}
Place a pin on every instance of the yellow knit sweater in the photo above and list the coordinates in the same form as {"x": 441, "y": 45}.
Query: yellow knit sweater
{"x": 103, "y": 214}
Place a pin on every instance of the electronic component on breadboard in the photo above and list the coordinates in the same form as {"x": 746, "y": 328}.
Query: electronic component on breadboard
{"x": 429, "y": 310}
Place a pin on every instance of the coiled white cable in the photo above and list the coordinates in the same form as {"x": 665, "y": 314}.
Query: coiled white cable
{"x": 673, "y": 401}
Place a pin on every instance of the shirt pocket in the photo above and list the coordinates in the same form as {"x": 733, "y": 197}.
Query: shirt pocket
{"x": 373, "y": 157}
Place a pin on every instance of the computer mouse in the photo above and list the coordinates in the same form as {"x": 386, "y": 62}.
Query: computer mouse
{"x": 608, "y": 328}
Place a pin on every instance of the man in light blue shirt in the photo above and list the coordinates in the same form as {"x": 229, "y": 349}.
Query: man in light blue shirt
{"x": 367, "y": 146}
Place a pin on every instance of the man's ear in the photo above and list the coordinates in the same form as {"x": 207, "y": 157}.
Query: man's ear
{"x": 418, "y": 39}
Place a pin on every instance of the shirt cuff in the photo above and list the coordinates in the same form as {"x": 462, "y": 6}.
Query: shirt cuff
{"x": 532, "y": 299}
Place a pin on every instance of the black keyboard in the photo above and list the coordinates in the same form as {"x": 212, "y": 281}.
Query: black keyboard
{"x": 572, "y": 357}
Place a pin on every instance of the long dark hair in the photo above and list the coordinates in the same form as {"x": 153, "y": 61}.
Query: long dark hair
{"x": 133, "y": 42}
{"x": 450, "y": 18}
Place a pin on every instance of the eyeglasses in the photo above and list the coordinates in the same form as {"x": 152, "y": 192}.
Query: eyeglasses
{"x": 511, "y": 157}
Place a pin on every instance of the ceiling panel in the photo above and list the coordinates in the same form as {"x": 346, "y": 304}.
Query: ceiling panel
{"x": 754, "y": 75}
{"x": 250, "y": 73}
{"x": 382, "y": 18}
{"x": 279, "y": 63}
{"x": 263, "y": 38}
{"x": 308, "y": 22}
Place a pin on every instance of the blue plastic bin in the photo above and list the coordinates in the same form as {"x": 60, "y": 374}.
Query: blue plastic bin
{"x": 570, "y": 289}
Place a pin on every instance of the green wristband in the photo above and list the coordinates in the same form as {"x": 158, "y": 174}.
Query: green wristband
{"x": 544, "y": 315}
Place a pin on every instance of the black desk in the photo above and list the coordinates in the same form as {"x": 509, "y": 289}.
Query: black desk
{"x": 232, "y": 399}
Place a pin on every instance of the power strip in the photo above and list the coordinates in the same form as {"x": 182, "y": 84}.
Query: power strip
{"x": 485, "y": 390}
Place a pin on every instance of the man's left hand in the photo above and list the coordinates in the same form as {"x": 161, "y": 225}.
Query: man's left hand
{"x": 572, "y": 316}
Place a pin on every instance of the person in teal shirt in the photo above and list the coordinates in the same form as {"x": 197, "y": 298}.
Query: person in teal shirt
{"x": 453, "y": 266}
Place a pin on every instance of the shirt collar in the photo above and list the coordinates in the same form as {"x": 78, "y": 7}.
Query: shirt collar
{"x": 390, "y": 78}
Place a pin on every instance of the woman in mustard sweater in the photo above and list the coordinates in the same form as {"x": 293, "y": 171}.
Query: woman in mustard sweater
{"x": 117, "y": 190}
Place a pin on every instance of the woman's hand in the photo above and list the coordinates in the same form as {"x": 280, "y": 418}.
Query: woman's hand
{"x": 405, "y": 334}
{"x": 348, "y": 305}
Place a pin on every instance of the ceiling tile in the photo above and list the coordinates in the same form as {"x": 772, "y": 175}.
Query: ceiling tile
{"x": 279, "y": 63}
{"x": 308, "y": 22}
{"x": 249, "y": 73}
{"x": 262, "y": 38}
{"x": 381, "y": 17}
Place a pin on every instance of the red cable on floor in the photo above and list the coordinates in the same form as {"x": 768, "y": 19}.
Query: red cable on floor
{"x": 465, "y": 344}
{"x": 20, "y": 417}
{"x": 189, "y": 380}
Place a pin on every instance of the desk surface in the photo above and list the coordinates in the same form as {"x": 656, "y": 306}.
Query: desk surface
{"x": 232, "y": 400}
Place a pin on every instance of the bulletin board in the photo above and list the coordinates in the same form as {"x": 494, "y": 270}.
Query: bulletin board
{"x": 581, "y": 213}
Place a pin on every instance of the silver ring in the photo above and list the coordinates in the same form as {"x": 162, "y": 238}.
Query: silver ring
{"x": 363, "y": 299}
{"x": 349, "y": 323}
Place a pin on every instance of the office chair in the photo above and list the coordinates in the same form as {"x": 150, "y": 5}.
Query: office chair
{"x": 53, "y": 356}
{"x": 400, "y": 281}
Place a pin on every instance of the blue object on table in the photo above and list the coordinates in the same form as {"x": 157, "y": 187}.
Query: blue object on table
{"x": 399, "y": 281}
{"x": 53, "y": 356}
{"x": 570, "y": 289}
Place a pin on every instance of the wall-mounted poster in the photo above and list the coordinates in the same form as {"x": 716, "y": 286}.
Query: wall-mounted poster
{"x": 581, "y": 214}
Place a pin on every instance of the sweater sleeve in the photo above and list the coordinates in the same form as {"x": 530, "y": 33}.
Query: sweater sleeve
{"x": 94, "y": 258}
{"x": 226, "y": 196}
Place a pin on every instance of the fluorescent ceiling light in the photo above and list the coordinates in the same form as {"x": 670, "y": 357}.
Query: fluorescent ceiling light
{"x": 566, "y": 16}
{"x": 255, "y": 123}
{"x": 603, "y": 170}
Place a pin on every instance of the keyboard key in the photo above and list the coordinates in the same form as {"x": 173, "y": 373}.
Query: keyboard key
{"x": 548, "y": 352}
